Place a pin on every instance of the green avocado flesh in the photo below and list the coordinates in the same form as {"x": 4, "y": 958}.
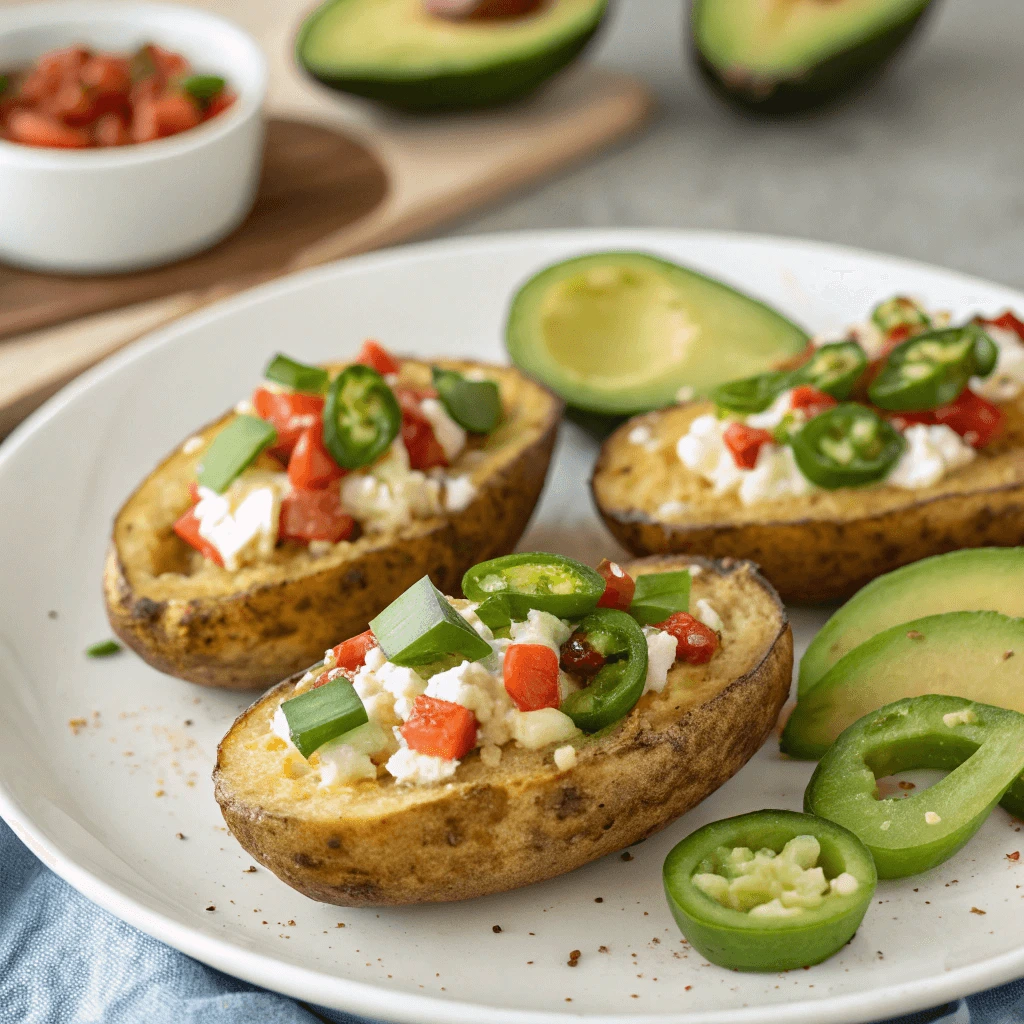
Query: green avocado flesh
{"x": 975, "y": 655}
{"x": 396, "y": 52}
{"x": 622, "y": 332}
{"x": 785, "y": 55}
{"x": 982, "y": 579}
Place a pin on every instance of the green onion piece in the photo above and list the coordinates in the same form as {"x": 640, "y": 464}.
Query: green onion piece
{"x": 233, "y": 450}
{"x": 494, "y": 612}
{"x": 659, "y": 595}
{"x": 319, "y": 715}
{"x": 474, "y": 404}
{"x": 295, "y": 375}
{"x": 420, "y": 626}
{"x": 203, "y": 88}
{"x": 103, "y": 649}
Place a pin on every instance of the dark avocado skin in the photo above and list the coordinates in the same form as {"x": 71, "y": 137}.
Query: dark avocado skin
{"x": 828, "y": 82}
{"x": 488, "y": 87}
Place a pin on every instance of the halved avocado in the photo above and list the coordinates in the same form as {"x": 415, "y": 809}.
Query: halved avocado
{"x": 396, "y": 52}
{"x": 976, "y": 655}
{"x": 978, "y": 579}
{"x": 782, "y": 56}
{"x": 618, "y": 333}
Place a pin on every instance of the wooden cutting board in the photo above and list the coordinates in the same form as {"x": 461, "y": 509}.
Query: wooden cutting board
{"x": 340, "y": 177}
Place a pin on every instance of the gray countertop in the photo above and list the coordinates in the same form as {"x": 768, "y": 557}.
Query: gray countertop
{"x": 926, "y": 164}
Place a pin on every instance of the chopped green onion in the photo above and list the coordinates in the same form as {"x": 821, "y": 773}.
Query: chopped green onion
{"x": 295, "y": 375}
{"x": 103, "y": 649}
{"x": 474, "y": 404}
{"x": 323, "y": 713}
{"x": 420, "y": 626}
{"x": 659, "y": 595}
{"x": 203, "y": 88}
{"x": 233, "y": 450}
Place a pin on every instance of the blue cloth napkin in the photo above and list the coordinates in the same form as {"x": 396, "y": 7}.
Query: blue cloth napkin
{"x": 65, "y": 961}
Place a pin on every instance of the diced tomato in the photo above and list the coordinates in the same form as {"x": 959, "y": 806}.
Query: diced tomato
{"x": 440, "y": 728}
{"x": 218, "y": 104}
{"x": 175, "y": 113}
{"x": 110, "y": 130}
{"x": 144, "y": 125}
{"x": 531, "y": 676}
{"x": 314, "y": 515}
{"x": 351, "y": 653}
{"x": 168, "y": 63}
{"x": 291, "y": 412}
{"x": 580, "y": 657}
{"x": 72, "y": 104}
{"x": 975, "y": 419}
{"x": 810, "y": 400}
{"x": 745, "y": 443}
{"x": 378, "y": 358}
{"x": 618, "y": 586}
{"x": 1008, "y": 322}
{"x": 193, "y": 489}
{"x": 311, "y": 466}
{"x": 106, "y": 73}
{"x": 32, "y": 129}
{"x": 695, "y": 642}
{"x": 425, "y": 451}
{"x": 187, "y": 528}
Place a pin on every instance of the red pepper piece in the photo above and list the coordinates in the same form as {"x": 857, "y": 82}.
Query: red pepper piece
{"x": 975, "y": 419}
{"x": 291, "y": 412}
{"x": 811, "y": 401}
{"x": 187, "y": 528}
{"x": 311, "y": 466}
{"x": 425, "y": 451}
{"x": 314, "y": 515}
{"x": 531, "y": 676}
{"x": 695, "y": 642}
{"x": 378, "y": 358}
{"x": 1008, "y": 322}
{"x": 745, "y": 443}
{"x": 619, "y": 586}
{"x": 351, "y": 653}
{"x": 440, "y": 728}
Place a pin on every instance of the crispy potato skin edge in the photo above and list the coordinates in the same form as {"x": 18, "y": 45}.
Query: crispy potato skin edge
{"x": 473, "y": 839}
{"x": 278, "y": 628}
{"x": 811, "y": 561}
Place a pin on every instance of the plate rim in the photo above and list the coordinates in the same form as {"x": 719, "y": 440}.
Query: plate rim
{"x": 367, "y": 999}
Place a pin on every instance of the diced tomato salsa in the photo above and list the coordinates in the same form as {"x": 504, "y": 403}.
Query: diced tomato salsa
{"x": 77, "y": 98}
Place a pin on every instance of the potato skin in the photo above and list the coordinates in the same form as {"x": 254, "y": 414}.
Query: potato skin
{"x": 811, "y": 557}
{"x": 281, "y": 621}
{"x": 503, "y": 828}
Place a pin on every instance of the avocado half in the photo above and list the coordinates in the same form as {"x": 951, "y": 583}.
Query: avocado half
{"x": 617, "y": 333}
{"x": 784, "y": 56}
{"x": 395, "y": 52}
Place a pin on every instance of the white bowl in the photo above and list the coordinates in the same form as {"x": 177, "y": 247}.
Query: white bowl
{"x": 129, "y": 207}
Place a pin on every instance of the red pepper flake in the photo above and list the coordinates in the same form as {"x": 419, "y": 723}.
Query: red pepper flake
{"x": 626, "y": 855}
{"x": 1007, "y": 655}
{"x": 340, "y": 924}
{"x": 291, "y": 924}
{"x": 250, "y": 869}
{"x": 1013, "y": 856}
{"x": 599, "y": 899}
{"x": 496, "y": 928}
{"x": 975, "y": 910}
{"x": 574, "y": 958}
{"x": 211, "y": 907}
{"x": 686, "y": 988}
{"x": 178, "y": 835}
{"x": 602, "y": 949}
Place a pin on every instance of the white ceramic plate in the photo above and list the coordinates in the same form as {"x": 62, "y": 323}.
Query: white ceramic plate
{"x": 103, "y": 806}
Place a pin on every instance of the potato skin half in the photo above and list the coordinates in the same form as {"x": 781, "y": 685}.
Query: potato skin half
{"x": 249, "y": 630}
{"x": 823, "y": 548}
{"x": 491, "y": 830}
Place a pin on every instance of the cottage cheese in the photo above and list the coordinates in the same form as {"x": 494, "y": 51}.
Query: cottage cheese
{"x": 661, "y": 656}
{"x": 541, "y": 628}
{"x": 459, "y": 492}
{"x": 242, "y": 522}
{"x": 536, "y": 729}
{"x": 450, "y": 436}
{"x": 706, "y": 614}
{"x": 420, "y": 769}
{"x": 933, "y": 451}
{"x": 702, "y": 450}
{"x": 390, "y": 495}
{"x": 1006, "y": 381}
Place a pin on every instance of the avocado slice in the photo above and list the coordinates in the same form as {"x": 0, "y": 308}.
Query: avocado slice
{"x": 396, "y": 52}
{"x": 783, "y": 56}
{"x": 976, "y": 655}
{"x": 617, "y": 333}
{"x": 977, "y": 579}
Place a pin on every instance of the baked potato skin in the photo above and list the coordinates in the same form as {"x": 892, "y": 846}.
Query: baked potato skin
{"x": 827, "y": 547}
{"x": 281, "y": 618}
{"x": 525, "y": 821}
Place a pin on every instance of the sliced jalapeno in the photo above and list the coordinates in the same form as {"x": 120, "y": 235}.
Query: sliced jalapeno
{"x": 751, "y": 394}
{"x": 847, "y": 446}
{"x": 769, "y": 891}
{"x": 900, "y": 311}
{"x": 616, "y": 688}
{"x": 834, "y": 369}
{"x": 932, "y": 369}
{"x": 474, "y": 404}
{"x": 295, "y": 375}
{"x": 535, "y": 579}
{"x": 361, "y": 417}
{"x": 981, "y": 746}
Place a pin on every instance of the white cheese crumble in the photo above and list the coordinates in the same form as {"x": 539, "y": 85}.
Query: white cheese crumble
{"x": 776, "y": 475}
{"x": 661, "y": 655}
{"x": 565, "y": 757}
{"x": 771, "y": 417}
{"x": 541, "y": 628}
{"x": 472, "y": 686}
{"x": 420, "y": 769}
{"x": 242, "y": 522}
{"x": 450, "y": 436}
{"x": 279, "y": 727}
{"x": 390, "y": 495}
{"x": 706, "y": 614}
{"x": 459, "y": 492}
{"x": 955, "y": 718}
{"x": 536, "y": 729}
{"x": 931, "y": 818}
{"x": 192, "y": 445}
{"x": 340, "y": 763}
{"x": 1006, "y": 381}
{"x": 933, "y": 451}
